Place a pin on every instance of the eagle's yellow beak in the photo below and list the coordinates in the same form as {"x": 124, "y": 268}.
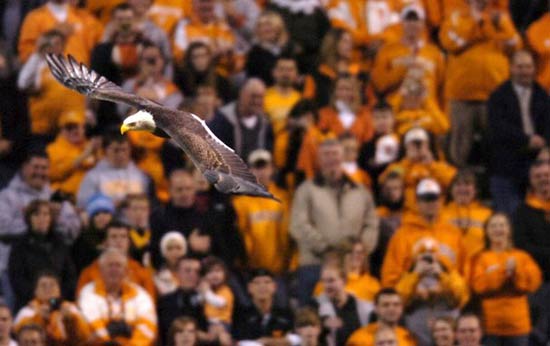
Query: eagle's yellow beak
{"x": 124, "y": 128}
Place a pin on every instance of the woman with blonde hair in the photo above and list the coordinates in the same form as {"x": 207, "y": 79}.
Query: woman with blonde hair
{"x": 502, "y": 277}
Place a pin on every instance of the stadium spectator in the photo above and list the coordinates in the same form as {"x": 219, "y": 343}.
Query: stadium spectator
{"x": 242, "y": 16}
{"x": 420, "y": 161}
{"x": 41, "y": 248}
{"x": 263, "y": 223}
{"x": 185, "y": 301}
{"x": 54, "y": 15}
{"x": 468, "y": 330}
{"x": 183, "y": 332}
{"x": 536, "y": 37}
{"x": 389, "y": 310}
{"x": 198, "y": 69}
{"x": 519, "y": 127}
{"x": 100, "y": 211}
{"x": 71, "y": 154}
{"x": 346, "y": 112}
{"x": 335, "y": 58}
{"x": 117, "y": 236}
{"x": 262, "y": 321}
{"x": 443, "y": 331}
{"x": 411, "y": 54}
{"x": 465, "y": 212}
{"x": 503, "y": 276}
{"x": 376, "y": 154}
{"x": 6, "y": 324}
{"x": 219, "y": 300}
{"x": 307, "y": 328}
{"x": 341, "y": 312}
{"x": 136, "y": 211}
{"x": 279, "y": 100}
{"x": 430, "y": 289}
{"x": 117, "y": 310}
{"x": 61, "y": 319}
{"x": 173, "y": 246}
{"x": 271, "y": 42}
{"x": 116, "y": 175}
{"x": 414, "y": 227}
{"x": 314, "y": 223}
{"x": 242, "y": 124}
{"x": 477, "y": 39}
{"x": 31, "y": 335}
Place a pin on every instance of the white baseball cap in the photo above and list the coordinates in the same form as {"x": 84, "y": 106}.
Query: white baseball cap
{"x": 416, "y": 134}
{"x": 428, "y": 188}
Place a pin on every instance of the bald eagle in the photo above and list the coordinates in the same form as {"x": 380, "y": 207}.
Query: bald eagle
{"x": 217, "y": 162}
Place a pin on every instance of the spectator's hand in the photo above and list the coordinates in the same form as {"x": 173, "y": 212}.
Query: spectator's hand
{"x": 5, "y": 147}
{"x": 199, "y": 242}
{"x": 225, "y": 338}
{"x": 536, "y": 142}
{"x": 203, "y": 287}
{"x": 333, "y": 322}
{"x": 510, "y": 267}
{"x": 65, "y": 28}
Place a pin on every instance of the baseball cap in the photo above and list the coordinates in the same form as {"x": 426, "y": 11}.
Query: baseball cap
{"x": 387, "y": 149}
{"x": 99, "y": 203}
{"x": 428, "y": 189}
{"x": 259, "y": 157}
{"x": 416, "y": 134}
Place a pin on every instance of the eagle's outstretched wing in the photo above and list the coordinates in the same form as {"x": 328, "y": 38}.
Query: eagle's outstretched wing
{"x": 78, "y": 77}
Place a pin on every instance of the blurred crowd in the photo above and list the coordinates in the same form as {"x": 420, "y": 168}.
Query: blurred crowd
{"x": 408, "y": 142}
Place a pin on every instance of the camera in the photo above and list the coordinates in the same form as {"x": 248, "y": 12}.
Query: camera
{"x": 55, "y": 303}
{"x": 119, "y": 328}
{"x": 427, "y": 258}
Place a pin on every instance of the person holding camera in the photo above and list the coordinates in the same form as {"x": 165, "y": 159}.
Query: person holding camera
{"x": 503, "y": 276}
{"x": 62, "y": 321}
{"x": 119, "y": 313}
{"x": 431, "y": 288}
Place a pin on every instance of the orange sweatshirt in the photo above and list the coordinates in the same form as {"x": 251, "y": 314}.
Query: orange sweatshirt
{"x": 361, "y": 128}
{"x": 41, "y": 20}
{"x": 364, "y": 336}
{"x": 429, "y": 116}
{"x": 504, "y": 298}
{"x": 399, "y": 255}
{"x": 538, "y": 39}
{"x": 477, "y": 54}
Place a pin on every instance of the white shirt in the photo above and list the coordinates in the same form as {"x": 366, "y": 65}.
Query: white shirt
{"x": 524, "y": 97}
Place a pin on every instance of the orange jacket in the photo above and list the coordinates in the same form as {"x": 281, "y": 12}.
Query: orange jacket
{"x": 41, "y": 20}
{"x": 391, "y": 66}
{"x": 471, "y": 220}
{"x": 136, "y": 274}
{"x": 63, "y": 175}
{"x": 362, "y": 286}
{"x": 361, "y": 128}
{"x": 364, "y": 336}
{"x": 503, "y": 298}
{"x": 430, "y": 117}
{"x": 538, "y": 39}
{"x": 399, "y": 255}
{"x": 454, "y": 289}
{"x": 413, "y": 172}
{"x": 263, "y": 224}
{"x": 102, "y": 8}
{"x": 166, "y": 13}
{"x": 477, "y": 54}
{"x": 61, "y": 331}
{"x": 51, "y": 100}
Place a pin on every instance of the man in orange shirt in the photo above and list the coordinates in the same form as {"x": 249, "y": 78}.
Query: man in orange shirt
{"x": 389, "y": 310}
{"x": 478, "y": 40}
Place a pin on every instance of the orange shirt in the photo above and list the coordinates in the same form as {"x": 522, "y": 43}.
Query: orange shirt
{"x": 538, "y": 39}
{"x": 41, "y": 20}
{"x": 503, "y": 298}
{"x": 364, "y": 336}
{"x": 399, "y": 255}
{"x": 222, "y": 313}
{"x": 477, "y": 62}
{"x": 361, "y": 127}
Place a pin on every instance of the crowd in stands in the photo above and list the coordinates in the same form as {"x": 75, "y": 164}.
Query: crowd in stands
{"x": 406, "y": 141}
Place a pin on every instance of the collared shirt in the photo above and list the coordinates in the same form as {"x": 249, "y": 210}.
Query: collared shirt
{"x": 524, "y": 97}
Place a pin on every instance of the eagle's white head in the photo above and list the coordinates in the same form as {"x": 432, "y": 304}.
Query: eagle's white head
{"x": 139, "y": 121}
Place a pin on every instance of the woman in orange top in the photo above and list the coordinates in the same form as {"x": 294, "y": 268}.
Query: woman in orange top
{"x": 346, "y": 112}
{"x": 466, "y": 212}
{"x": 502, "y": 277}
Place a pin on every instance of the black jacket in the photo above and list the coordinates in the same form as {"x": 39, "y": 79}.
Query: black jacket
{"x": 248, "y": 323}
{"x": 507, "y": 143}
{"x": 34, "y": 254}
